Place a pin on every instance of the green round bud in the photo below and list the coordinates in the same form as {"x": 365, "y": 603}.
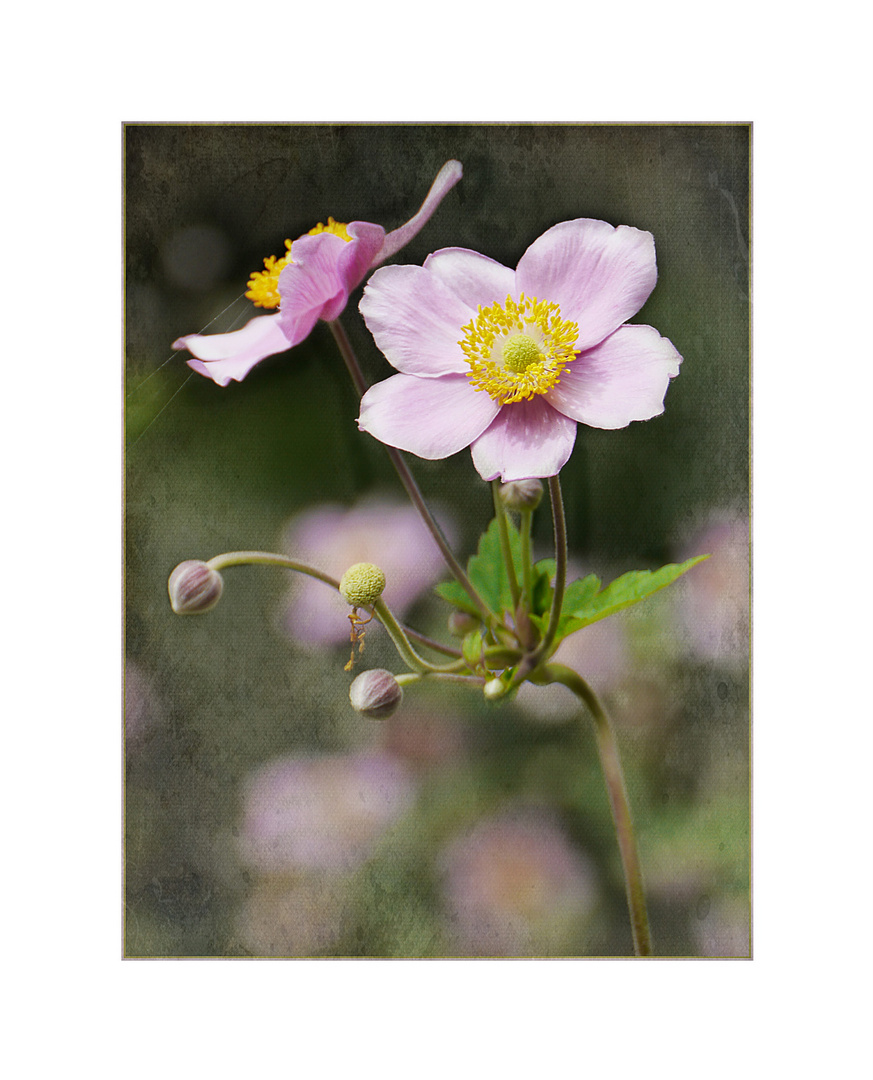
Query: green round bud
{"x": 194, "y": 587}
{"x": 376, "y": 694}
{"x": 362, "y": 584}
{"x": 521, "y": 494}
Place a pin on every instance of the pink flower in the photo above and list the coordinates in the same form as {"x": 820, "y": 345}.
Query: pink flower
{"x": 507, "y": 361}
{"x": 327, "y": 264}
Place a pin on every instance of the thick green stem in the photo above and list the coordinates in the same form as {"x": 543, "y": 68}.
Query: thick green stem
{"x": 526, "y": 558}
{"x": 610, "y": 762}
{"x": 406, "y": 477}
{"x": 505, "y": 549}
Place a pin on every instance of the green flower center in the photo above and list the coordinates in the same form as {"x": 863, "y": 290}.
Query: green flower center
{"x": 519, "y": 352}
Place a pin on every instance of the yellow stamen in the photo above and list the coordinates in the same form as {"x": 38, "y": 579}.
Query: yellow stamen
{"x": 518, "y": 349}
{"x": 264, "y": 284}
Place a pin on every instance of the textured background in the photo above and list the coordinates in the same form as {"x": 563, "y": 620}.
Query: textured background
{"x": 213, "y": 700}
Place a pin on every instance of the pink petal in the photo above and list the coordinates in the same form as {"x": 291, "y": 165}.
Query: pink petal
{"x": 357, "y": 257}
{"x": 311, "y": 282}
{"x": 528, "y": 439}
{"x": 223, "y": 357}
{"x": 432, "y": 418}
{"x": 472, "y": 277}
{"x": 416, "y": 321}
{"x": 598, "y": 275}
{"x": 624, "y": 378}
{"x": 445, "y": 180}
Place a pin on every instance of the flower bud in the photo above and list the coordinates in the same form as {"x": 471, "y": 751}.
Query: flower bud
{"x": 494, "y": 689}
{"x": 376, "y": 694}
{"x": 194, "y": 587}
{"x": 461, "y": 623}
{"x": 362, "y": 584}
{"x": 521, "y": 494}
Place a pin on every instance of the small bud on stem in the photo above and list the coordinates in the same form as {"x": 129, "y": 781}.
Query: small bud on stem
{"x": 376, "y": 694}
{"x": 194, "y": 587}
{"x": 521, "y": 494}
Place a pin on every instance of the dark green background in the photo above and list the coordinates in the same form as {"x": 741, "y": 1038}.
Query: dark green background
{"x": 211, "y": 469}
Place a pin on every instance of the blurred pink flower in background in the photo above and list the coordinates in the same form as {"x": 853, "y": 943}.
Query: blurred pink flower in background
{"x": 299, "y": 917}
{"x": 514, "y": 885}
{"x": 332, "y": 538}
{"x": 142, "y": 706}
{"x": 713, "y": 602}
{"x": 321, "y": 812}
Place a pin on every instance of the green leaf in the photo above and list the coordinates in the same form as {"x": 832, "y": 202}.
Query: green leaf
{"x": 543, "y": 576}
{"x": 456, "y": 594}
{"x": 486, "y": 569}
{"x": 626, "y": 590}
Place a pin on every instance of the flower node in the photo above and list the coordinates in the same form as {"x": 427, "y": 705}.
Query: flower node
{"x": 517, "y": 350}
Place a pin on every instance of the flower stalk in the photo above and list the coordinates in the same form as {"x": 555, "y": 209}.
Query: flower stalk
{"x": 610, "y": 762}
{"x": 406, "y": 478}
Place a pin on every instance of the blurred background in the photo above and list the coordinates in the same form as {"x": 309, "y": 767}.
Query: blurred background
{"x": 263, "y": 816}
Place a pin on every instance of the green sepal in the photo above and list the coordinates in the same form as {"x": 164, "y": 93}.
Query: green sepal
{"x": 472, "y": 648}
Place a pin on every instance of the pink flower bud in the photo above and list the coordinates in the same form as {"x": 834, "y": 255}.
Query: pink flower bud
{"x": 521, "y": 494}
{"x": 194, "y": 587}
{"x": 376, "y": 694}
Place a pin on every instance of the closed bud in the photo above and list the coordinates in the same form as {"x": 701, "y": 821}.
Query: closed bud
{"x": 194, "y": 587}
{"x": 521, "y": 494}
{"x": 362, "y": 584}
{"x": 376, "y": 694}
{"x": 494, "y": 689}
{"x": 461, "y": 624}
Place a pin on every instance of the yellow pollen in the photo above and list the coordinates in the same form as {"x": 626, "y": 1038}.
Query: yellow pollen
{"x": 264, "y": 284}
{"x": 518, "y": 349}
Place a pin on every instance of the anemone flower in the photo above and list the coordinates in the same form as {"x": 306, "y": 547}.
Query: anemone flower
{"x": 314, "y": 283}
{"x": 507, "y": 361}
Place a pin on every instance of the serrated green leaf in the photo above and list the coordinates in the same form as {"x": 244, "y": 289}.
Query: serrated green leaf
{"x": 626, "y": 590}
{"x": 486, "y": 569}
{"x": 456, "y": 594}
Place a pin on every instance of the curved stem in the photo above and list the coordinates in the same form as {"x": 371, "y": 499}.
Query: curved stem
{"x": 610, "y": 762}
{"x": 406, "y": 477}
{"x": 440, "y": 676}
{"x": 385, "y": 616}
{"x": 402, "y": 643}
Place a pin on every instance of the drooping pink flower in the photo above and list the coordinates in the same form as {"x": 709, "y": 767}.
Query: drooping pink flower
{"x": 313, "y": 282}
{"x": 507, "y": 361}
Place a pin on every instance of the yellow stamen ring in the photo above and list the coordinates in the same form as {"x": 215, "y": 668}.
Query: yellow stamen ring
{"x": 518, "y": 349}
{"x": 264, "y": 284}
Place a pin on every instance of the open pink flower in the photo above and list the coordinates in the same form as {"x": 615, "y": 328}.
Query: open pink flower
{"x": 507, "y": 361}
{"x": 314, "y": 283}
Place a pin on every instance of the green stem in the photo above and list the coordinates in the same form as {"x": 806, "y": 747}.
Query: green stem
{"x": 532, "y": 660}
{"x": 526, "y": 559}
{"x": 398, "y": 632}
{"x": 610, "y": 762}
{"x": 440, "y": 676}
{"x": 505, "y": 549}
{"x": 403, "y": 645}
{"x": 406, "y": 477}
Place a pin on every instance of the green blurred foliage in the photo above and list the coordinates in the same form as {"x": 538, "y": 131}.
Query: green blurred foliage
{"x": 209, "y": 469}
